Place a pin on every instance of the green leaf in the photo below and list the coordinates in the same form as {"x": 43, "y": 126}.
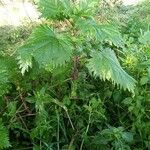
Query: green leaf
{"x": 4, "y": 140}
{"x": 92, "y": 29}
{"x": 144, "y": 80}
{"x": 105, "y": 65}
{"x": 55, "y": 9}
{"x": 47, "y": 47}
{"x": 61, "y": 9}
{"x": 145, "y": 38}
{"x": 111, "y": 33}
{"x": 50, "y": 8}
{"x": 4, "y": 77}
{"x": 25, "y": 60}
{"x": 127, "y": 136}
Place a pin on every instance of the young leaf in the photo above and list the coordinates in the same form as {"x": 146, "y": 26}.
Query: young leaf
{"x": 61, "y": 9}
{"x": 25, "y": 60}
{"x": 50, "y": 8}
{"x": 105, "y": 65}
{"x": 55, "y": 9}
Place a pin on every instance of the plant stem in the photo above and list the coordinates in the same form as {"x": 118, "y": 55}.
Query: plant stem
{"x": 58, "y": 147}
{"x": 87, "y": 129}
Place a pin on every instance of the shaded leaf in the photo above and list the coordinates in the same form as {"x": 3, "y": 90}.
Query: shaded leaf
{"x": 4, "y": 140}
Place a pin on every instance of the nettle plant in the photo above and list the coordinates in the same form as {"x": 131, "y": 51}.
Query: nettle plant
{"x": 74, "y": 35}
{"x": 63, "y": 64}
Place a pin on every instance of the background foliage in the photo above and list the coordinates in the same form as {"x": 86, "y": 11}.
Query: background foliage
{"x": 80, "y": 80}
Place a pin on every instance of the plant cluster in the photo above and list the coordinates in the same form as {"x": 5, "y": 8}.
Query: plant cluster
{"x": 78, "y": 82}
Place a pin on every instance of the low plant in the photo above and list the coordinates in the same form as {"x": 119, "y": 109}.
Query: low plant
{"x": 77, "y": 82}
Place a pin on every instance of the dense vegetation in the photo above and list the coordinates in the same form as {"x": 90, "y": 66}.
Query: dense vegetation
{"x": 79, "y": 81}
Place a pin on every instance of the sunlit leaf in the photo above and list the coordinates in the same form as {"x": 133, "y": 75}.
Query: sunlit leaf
{"x": 105, "y": 65}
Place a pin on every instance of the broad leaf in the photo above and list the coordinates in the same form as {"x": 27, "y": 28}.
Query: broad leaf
{"x": 54, "y": 9}
{"x": 61, "y": 9}
{"x": 50, "y": 8}
{"x": 92, "y": 29}
{"x": 105, "y": 65}
{"x": 48, "y": 48}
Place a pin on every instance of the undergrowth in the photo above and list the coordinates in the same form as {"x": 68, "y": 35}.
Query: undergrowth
{"x": 79, "y": 81}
